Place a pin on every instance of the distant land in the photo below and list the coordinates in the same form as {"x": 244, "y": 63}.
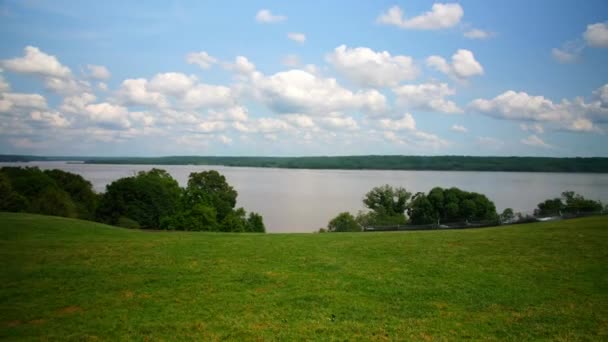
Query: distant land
{"x": 371, "y": 162}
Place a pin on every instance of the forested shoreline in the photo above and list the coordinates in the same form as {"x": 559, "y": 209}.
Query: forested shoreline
{"x": 370, "y": 162}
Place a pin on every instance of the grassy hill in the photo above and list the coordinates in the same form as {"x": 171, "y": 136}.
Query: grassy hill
{"x": 69, "y": 279}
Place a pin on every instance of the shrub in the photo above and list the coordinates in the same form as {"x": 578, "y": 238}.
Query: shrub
{"x": 344, "y": 222}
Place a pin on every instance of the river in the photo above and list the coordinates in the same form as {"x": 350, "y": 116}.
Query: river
{"x": 295, "y": 200}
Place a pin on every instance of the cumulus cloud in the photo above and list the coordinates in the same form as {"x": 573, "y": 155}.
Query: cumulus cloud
{"x": 297, "y": 37}
{"x": 596, "y": 35}
{"x": 202, "y": 59}
{"x": 340, "y": 123}
{"x": 459, "y": 128}
{"x": 441, "y": 16}
{"x": 173, "y": 83}
{"x": 235, "y": 113}
{"x": 520, "y": 106}
{"x": 265, "y": 16}
{"x": 300, "y": 92}
{"x": 57, "y": 77}
{"x": 108, "y": 115}
{"x": 535, "y": 141}
{"x": 577, "y": 115}
{"x": 369, "y": 68}
{"x": 477, "y": 34}
{"x": 426, "y": 96}
{"x": 136, "y": 92}
{"x": 77, "y": 103}
{"x": 16, "y": 101}
{"x": 36, "y": 62}
{"x": 98, "y": 72}
{"x": 406, "y": 122}
{"x": 464, "y": 64}
{"x": 50, "y": 118}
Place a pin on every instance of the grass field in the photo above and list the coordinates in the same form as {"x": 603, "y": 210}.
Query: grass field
{"x": 65, "y": 279}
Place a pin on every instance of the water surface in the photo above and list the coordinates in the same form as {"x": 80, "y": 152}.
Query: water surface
{"x": 294, "y": 200}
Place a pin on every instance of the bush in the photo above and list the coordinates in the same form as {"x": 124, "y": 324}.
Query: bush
{"x": 344, "y": 222}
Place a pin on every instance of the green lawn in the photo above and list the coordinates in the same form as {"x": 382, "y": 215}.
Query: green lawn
{"x": 65, "y": 279}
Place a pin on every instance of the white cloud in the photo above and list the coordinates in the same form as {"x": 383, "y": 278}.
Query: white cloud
{"x": 206, "y": 95}
{"x": 13, "y": 101}
{"x": 108, "y": 115}
{"x": 338, "y": 122}
{"x": 416, "y": 139}
{"x": 136, "y": 92}
{"x": 536, "y": 128}
{"x": 477, "y": 34}
{"x": 99, "y": 72}
{"x": 406, "y": 122}
{"x": 102, "y": 86}
{"x": 53, "y": 119}
{"x": 241, "y": 66}
{"x": 459, "y": 128}
{"x": 300, "y": 92}
{"x": 202, "y": 59}
{"x": 571, "y": 115}
{"x": 299, "y": 120}
{"x": 464, "y": 64}
{"x": 173, "y": 83}
{"x": 581, "y": 125}
{"x": 265, "y": 16}
{"x": 596, "y": 35}
{"x": 440, "y": 16}
{"x": 368, "y": 68}
{"x": 297, "y": 37}
{"x": 535, "y": 141}
{"x": 520, "y": 106}
{"x": 211, "y": 126}
{"x": 236, "y": 113}
{"x": 36, "y": 62}
{"x": 426, "y": 96}
{"x": 77, "y": 104}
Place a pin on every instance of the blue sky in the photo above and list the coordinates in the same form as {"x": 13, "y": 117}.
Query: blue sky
{"x": 304, "y": 78}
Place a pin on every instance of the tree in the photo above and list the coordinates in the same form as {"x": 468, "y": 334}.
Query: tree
{"x": 450, "y": 205}
{"x": 145, "y": 198}
{"x": 255, "y": 223}
{"x": 507, "y": 216}
{"x": 211, "y": 188}
{"x": 80, "y": 191}
{"x": 550, "y": 207}
{"x": 344, "y": 222}
{"x": 388, "y": 200}
{"x": 576, "y": 204}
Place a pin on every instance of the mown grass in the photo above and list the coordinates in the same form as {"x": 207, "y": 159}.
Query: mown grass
{"x": 65, "y": 279}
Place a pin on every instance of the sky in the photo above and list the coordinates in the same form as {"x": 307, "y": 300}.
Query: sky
{"x": 301, "y": 78}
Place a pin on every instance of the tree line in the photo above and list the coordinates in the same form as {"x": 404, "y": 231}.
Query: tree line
{"x": 148, "y": 200}
{"x": 371, "y": 162}
{"x": 388, "y": 206}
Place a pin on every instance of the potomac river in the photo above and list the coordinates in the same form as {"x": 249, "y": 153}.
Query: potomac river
{"x": 299, "y": 200}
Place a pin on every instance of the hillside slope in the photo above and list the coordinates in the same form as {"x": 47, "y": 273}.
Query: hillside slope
{"x": 70, "y": 279}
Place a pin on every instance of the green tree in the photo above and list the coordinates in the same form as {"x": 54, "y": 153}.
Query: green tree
{"x": 344, "y": 222}
{"x": 80, "y": 191}
{"x": 388, "y": 200}
{"x": 450, "y": 205}
{"x": 550, "y": 207}
{"x": 507, "y": 215}
{"x": 255, "y": 223}
{"x": 211, "y": 188}
{"x": 145, "y": 198}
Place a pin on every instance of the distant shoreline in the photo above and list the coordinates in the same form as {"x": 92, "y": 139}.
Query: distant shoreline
{"x": 371, "y": 162}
